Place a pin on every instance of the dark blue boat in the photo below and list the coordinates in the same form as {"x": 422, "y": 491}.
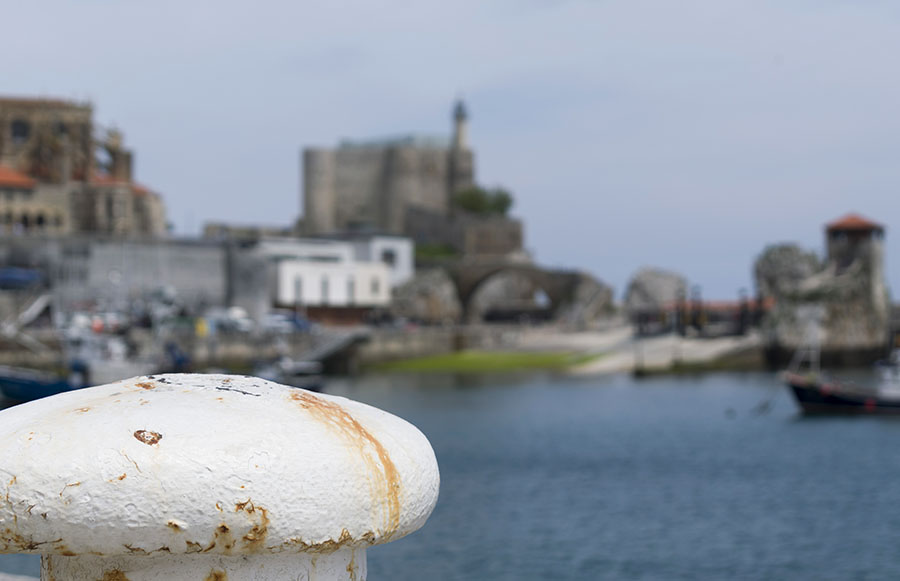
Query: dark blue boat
{"x": 21, "y": 384}
{"x": 817, "y": 396}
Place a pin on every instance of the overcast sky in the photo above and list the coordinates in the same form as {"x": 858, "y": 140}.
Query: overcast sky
{"x": 686, "y": 135}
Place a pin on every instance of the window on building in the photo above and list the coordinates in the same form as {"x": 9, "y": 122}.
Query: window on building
{"x": 389, "y": 257}
{"x": 21, "y": 130}
{"x": 298, "y": 290}
{"x": 376, "y": 287}
{"x": 324, "y": 290}
{"x": 40, "y": 221}
{"x": 351, "y": 290}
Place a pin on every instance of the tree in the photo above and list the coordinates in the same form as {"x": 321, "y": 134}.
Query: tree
{"x": 476, "y": 200}
{"x": 473, "y": 200}
{"x": 501, "y": 201}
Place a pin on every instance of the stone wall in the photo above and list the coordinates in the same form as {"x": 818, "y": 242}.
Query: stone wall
{"x": 843, "y": 307}
{"x": 371, "y": 187}
{"x": 112, "y": 272}
{"x": 468, "y": 234}
{"x": 35, "y": 133}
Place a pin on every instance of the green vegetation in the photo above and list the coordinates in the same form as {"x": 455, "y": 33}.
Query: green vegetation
{"x": 486, "y": 362}
{"x": 435, "y": 251}
{"x": 496, "y": 202}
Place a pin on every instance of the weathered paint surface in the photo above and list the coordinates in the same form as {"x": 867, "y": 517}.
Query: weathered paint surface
{"x": 206, "y": 465}
{"x": 347, "y": 564}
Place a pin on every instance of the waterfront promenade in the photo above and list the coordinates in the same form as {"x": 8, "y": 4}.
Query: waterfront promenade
{"x": 618, "y": 351}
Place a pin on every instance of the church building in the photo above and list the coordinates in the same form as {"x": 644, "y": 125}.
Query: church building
{"x": 60, "y": 175}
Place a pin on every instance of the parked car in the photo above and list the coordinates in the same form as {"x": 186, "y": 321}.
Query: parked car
{"x": 283, "y": 321}
{"x": 230, "y": 320}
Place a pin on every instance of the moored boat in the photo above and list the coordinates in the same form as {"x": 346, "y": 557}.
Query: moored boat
{"x": 94, "y": 360}
{"x": 818, "y": 392}
{"x": 287, "y": 371}
{"x": 818, "y": 395}
{"x": 21, "y": 384}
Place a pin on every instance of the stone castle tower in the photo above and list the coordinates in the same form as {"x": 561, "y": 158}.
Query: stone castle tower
{"x": 846, "y": 300}
{"x": 373, "y": 185}
{"x": 859, "y": 315}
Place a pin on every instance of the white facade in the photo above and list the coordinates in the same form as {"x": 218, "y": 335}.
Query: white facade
{"x": 360, "y": 272}
{"x": 394, "y": 251}
{"x": 322, "y": 284}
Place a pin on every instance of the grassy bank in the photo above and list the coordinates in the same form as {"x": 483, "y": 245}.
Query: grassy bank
{"x": 485, "y": 362}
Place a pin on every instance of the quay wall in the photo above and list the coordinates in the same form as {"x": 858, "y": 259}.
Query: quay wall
{"x": 394, "y": 344}
{"x": 239, "y": 352}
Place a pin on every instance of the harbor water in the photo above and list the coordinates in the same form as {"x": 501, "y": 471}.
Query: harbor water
{"x": 550, "y": 477}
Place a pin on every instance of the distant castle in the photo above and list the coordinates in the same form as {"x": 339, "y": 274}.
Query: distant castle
{"x": 52, "y": 183}
{"x": 402, "y": 186}
{"x": 844, "y": 302}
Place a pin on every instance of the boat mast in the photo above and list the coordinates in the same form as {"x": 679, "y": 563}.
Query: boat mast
{"x": 810, "y": 349}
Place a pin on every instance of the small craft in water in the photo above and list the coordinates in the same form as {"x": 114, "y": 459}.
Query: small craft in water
{"x": 287, "y": 371}
{"x": 100, "y": 359}
{"x": 817, "y": 394}
{"x": 22, "y": 384}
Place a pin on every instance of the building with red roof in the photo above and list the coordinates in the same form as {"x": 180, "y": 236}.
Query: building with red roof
{"x": 51, "y": 182}
{"x": 853, "y": 223}
{"x": 853, "y": 237}
{"x": 11, "y": 179}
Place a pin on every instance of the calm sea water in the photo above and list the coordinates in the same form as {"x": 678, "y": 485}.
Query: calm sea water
{"x": 547, "y": 477}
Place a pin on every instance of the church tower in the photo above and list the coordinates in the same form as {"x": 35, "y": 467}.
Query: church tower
{"x": 460, "y": 126}
{"x": 462, "y": 163}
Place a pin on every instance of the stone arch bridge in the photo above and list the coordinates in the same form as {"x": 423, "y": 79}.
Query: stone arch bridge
{"x": 569, "y": 291}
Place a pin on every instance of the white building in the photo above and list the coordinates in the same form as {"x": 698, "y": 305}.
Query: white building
{"x": 312, "y": 284}
{"x": 395, "y": 251}
{"x": 357, "y": 273}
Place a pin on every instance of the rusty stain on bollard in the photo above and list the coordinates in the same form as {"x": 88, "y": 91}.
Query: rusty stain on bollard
{"x": 147, "y": 437}
{"x": 356, "y": 436}
{"x": 296, "y": 487}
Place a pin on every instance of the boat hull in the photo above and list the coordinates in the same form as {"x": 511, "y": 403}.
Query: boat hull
{"x": 24, "y": 385}
{"x": 823, "y": 398}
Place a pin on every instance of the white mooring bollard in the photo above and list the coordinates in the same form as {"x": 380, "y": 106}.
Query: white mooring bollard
{"x": 208, "y": 477}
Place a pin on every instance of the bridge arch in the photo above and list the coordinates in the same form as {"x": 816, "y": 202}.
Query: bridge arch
{"x": 469, "y": 279}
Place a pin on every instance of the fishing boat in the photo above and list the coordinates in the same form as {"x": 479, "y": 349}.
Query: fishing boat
{"x": 93, "y": 360}
{"x": 288, "y": 371}
{"x": 22, "y": 384}
{"x": 818, "y": 394}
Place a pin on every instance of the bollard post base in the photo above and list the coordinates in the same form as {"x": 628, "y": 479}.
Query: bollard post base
{"x": 346, "y": 564}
